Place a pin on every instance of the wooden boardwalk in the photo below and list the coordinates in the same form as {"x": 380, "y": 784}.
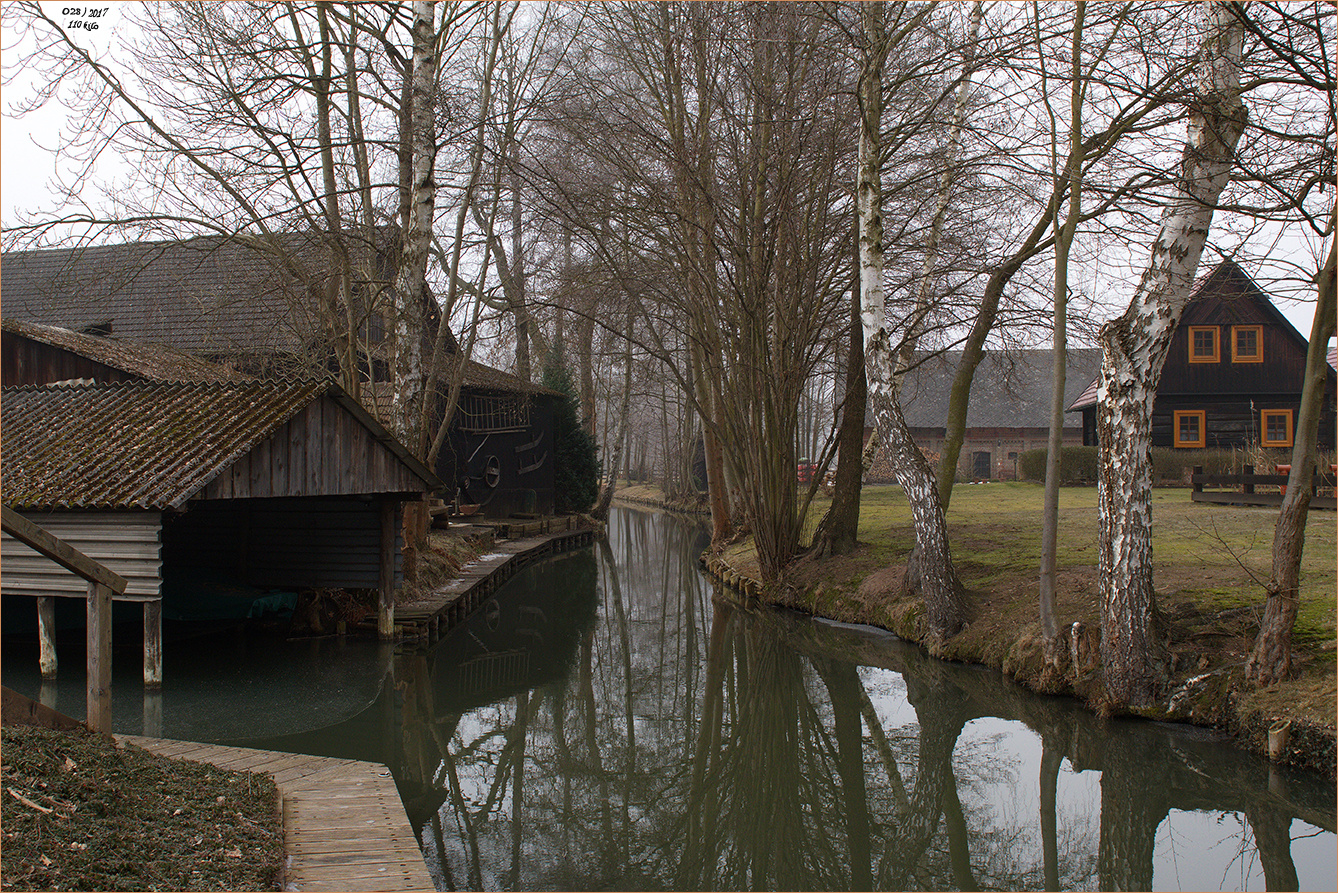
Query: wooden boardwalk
{"x": 343, "y": 823}
{"x": 435, "y": 614}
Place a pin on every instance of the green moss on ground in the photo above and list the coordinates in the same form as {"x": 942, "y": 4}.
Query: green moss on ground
{"x": 82, "y": 813}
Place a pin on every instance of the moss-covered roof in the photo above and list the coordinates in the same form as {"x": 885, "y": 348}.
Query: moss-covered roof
{"x": 149, "y": 445}
{"x": 151, "y": 361}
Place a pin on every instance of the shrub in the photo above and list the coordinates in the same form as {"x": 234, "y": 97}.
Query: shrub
{"x": 576, "y": 469}
{"x": 1077, "y": 465}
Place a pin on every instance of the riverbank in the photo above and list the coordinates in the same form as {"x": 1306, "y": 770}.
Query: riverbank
{"x": 1209, "y": 563}
{"x": 82, "y": 813}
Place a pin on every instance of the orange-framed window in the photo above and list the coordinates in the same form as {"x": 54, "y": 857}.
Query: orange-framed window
{"x": 1204, "y": 346}
{"x": 1247, "y": 344}
{"x": 1276, "y": 426}
{"x": 1190, "y": 428}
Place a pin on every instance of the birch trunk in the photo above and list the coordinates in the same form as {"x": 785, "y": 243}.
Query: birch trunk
{"x": 1134, "y": 350}
{"x": 1271, "y": 660}
{"x": 944, "y": 609}
{"x": 601, "y": 508}
{"x": 411, "y": 278}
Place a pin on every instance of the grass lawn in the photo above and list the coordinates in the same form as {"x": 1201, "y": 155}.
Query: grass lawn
{"x": 1210, "y": 566}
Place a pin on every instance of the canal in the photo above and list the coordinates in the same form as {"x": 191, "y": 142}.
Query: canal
{"x": 608, "y": 721}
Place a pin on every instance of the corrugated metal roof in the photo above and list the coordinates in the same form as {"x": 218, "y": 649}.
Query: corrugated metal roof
{"x": 155, "y": 362}
{"x": 149, "y": 445}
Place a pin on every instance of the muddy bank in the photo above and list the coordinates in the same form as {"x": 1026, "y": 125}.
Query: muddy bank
{"x": 1206, "y": 690}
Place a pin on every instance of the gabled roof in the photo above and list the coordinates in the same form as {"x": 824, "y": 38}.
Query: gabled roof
{"x": 1230, "y": 284}
{"x": 1011, "y": 388}
{"x": 153, "y": 362}
{"x": 149, "y": 445}
{"x": 206, "y": 295}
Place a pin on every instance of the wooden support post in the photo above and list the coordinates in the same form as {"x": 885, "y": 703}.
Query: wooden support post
{"x": 1247, "y": 485}
{"x": 153, "y": 713}
{"x": 46, "y": 633}
{"x": 153, "y": 644}
{"x": 385, "y": 615}
{"x": 98, "y": 714}
{"x": 1198, "y": 469}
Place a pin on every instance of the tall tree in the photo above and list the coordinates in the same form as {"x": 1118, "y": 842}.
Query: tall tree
{"x": 1064, "y": 233}
{"x": 1270, "y": 661}
{"x": 944, "y": 607}
{"x": 1134, "y": 348}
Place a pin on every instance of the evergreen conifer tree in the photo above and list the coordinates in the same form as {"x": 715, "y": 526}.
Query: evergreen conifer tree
{"x": 576, "y": 472}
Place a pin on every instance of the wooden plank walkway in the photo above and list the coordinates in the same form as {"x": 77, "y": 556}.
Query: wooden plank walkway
{"x": 343, "y": 823}
{"x": 435, "y": 614}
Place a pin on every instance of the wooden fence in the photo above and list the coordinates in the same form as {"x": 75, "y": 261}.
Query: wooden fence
{"x": 1243, "y": 488}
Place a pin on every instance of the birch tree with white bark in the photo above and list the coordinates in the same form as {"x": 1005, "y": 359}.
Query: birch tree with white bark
{"x": 1134, "y": 349}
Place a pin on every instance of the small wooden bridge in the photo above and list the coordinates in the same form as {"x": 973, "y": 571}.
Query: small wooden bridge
{"x": 344, "y": 827}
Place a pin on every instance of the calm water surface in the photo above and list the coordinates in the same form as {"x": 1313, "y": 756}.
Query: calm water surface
{"x": 607, "y": 722}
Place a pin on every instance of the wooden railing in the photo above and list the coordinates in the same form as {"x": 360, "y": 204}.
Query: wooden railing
{"x": 102, "y": 585}
{"x": 1244, "y": 486}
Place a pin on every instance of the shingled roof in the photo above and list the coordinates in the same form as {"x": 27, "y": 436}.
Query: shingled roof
{"x": 148, "y": 445}
{"x": 1011, "y": 389}
{"x": 153, "y": 362}
{"x": 205, "y": 295}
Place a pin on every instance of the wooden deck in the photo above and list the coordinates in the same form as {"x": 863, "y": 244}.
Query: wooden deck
{"x": 439, "y": 611}
{"x": 344, "y": 825}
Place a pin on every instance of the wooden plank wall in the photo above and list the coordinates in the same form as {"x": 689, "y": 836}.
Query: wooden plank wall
{"x": 126, "y": 542}
{"x": 311, "y": 542}
{"x": 31, "y": 362}
{"x": 322, "y": 451}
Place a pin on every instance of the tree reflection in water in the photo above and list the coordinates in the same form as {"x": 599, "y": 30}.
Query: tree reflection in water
{"x": 663, "y": 736}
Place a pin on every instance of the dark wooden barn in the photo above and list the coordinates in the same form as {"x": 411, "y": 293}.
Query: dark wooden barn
{"x": 158, "y": 310}
{"x": 266, "y": 484}
{"x": 1233, "y": 374}
{"x": 499, "y": 454}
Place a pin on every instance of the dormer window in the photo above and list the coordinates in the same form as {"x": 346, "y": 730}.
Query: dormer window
{"x": 1247, "y": 344}
{"x": 1203, "y": 345}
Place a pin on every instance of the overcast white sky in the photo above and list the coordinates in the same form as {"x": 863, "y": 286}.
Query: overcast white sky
{"x": 28, "y": 168}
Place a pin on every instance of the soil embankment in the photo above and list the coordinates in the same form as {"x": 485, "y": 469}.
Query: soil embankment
{"x": 1210, "y": 560}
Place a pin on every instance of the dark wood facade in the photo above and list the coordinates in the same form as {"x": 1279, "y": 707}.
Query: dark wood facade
{"x": 1233, "y": 375}
{"x": 324, "y": 450}
{"x": 25, "y": 361}
{"x": 500, "y": 453}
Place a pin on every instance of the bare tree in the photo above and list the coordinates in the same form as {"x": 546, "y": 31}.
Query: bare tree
{"x": 1270, "y": 661}
{"x": 1134, "y": 350}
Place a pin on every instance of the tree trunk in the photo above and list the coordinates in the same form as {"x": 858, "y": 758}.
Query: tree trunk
{"x": 411, "y": 278}
{"x": 1271, "y": 660}
{"x": 944, "y": 609}
{"x": 838, "y": 529}
{"x": 1134, "y": 350}
{"x": 1053, "y": 645}
{"x": 601, "y": 508}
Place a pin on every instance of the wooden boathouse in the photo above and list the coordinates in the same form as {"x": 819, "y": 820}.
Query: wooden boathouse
{"x": 271, "y": 483}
